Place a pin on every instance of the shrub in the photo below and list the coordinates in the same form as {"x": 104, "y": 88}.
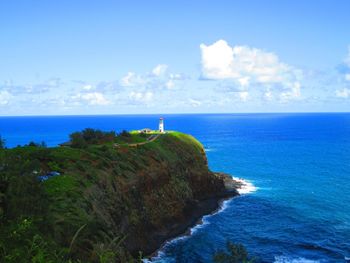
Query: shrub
{"x": 77, "y": 140}
{"x": 236, "y": 253}
{"x": 125, "y": 133}
{"x": 2, "y": 143}
{"x": 90, "y": 136}
{"x": 34, "y": 144}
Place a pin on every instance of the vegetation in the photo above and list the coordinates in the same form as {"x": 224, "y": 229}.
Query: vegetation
{"x": 2, "y": 143}
{"x": 100, "y": 207}
{"x": 91, "y": 136}
{"x": 34, "y": 144}
{"x": 236, "y": 253}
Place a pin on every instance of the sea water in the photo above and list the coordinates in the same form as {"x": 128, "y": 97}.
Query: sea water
{"x": 298, "y": 163}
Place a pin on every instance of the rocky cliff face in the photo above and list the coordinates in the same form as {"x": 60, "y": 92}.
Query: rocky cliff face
{"x": 136, "y": 197}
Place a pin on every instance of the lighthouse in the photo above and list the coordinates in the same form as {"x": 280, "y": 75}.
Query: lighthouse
{"x": 161, "y": 125}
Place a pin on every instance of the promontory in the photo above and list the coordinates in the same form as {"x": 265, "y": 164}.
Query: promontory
{"x": 103, "y": 197}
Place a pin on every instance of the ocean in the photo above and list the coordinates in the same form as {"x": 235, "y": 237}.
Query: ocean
{"x": 298, "y": 163}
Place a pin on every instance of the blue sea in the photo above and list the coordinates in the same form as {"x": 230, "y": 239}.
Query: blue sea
{"x": 299, "y": 164}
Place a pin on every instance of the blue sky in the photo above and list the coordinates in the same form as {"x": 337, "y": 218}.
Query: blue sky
{"x": 116, "y": 57}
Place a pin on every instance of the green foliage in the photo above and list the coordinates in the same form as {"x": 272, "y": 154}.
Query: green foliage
{"x": 34, "y": 144}
{"x": 77, "y": 140}
{"x": 124, "y": 133}
{"x": 102, "y": 192}
{"x": 21, "y": 242}
{"x": 2, "y": 143}
{"x": 91, "y": 136}
{"x": 53, "y": 166}
{"x": 236, "y": 253}
{"x": 111, "y": 251}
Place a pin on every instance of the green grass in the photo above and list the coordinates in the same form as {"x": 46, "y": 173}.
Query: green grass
{"x": 134, "y": 138}
{"x": 189, "y": 139}
{"x": 61, "y": 184}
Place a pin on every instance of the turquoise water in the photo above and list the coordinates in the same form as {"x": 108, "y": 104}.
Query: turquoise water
{"x": 300, "y": 164}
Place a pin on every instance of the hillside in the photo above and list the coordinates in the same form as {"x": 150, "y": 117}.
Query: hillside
{"x": 103, "y": 202}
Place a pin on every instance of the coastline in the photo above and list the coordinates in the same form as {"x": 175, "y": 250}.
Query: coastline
{"x": 196, "y": 212}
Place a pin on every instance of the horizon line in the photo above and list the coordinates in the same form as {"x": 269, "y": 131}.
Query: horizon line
{"x": 183, "y": 113}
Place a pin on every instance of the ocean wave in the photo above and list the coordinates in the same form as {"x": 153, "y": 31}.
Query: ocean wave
{"x": 284, "y": 259}
{"x": 246, "y": 187}
{"x": 209, "y": 150}
{"x": 203, "y": 222}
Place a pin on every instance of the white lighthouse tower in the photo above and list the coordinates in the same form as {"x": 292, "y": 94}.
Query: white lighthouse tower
{"x": 161, "y": 125}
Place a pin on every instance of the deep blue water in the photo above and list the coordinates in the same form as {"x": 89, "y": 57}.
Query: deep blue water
{"x": 299, "y": 162}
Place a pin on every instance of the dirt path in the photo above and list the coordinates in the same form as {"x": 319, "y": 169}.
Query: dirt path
{"x": 149, "y": 139}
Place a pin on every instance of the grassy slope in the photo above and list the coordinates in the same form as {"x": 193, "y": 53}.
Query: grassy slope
{"x": 108, "y": 192}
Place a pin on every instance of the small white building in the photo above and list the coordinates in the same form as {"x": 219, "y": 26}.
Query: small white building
{"x": 145, "y": 130}
{"x": 161, "y": 125}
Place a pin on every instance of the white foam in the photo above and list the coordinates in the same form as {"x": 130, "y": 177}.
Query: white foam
{"x": 283, "y": 259}
{"x": 246, "y": 186}
{"x": 209, "y": 150}
{"x": 203, "y": 223}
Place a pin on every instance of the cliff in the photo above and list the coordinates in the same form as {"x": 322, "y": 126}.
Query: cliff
{"x": 108, "y": 198}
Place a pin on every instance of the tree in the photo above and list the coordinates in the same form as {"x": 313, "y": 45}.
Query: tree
{"x": 32, "y": 144}
{"x": 90, "y": 136}
{"x": 2, "y": 143}
{"x": 77, "y": 140}
{"x": 236, "y": 253}
{"x": 125, "y": 133}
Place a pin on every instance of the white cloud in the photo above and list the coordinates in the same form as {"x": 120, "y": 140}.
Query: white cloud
{"x": 131, "y": 79}
{"x": 141, "y": 97}
{"x": 37, "y": 88}
{"x": 159, "y": 70}
{"x": 195, "y": 103}
{"x": 92, "y": 98}
{"x": 157, "y": 79}
{"x": 347, "y": 77}
{"x": 292, "y": 93}
{"x": 88, "y": 87}
{"x": 170, "y": 84}
{"x": 217, "y": 61}
{"x": 178, "y": 76}
{"x": 243, "y": 95}
{"x": 268, "y": 95}
{"x": 245, "y": 66}
{"x": 5, "y": 97}
{"x": 344, "y": 93}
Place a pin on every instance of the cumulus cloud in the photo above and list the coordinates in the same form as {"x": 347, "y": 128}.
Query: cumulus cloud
{"x": 344, "y": 93}
{"x": 5, "y": 97}
{"x": 245, "y": 66}
{"x": 41, "y": 87}
{"x": 88, "y": 87}
{"x": 131, "y": 79}
{"x": 243, "y": 95}
{"x": 268, "y": 95}
{"x": 194, "y": 103}
{"x": 159, "y": 70}
{"x": 158, "y": 79}
{"x": 292, "y": 93}
{"x": 91, "y": 98}
{"x": 141, "y": 97}
{"x": 170, "y": 84}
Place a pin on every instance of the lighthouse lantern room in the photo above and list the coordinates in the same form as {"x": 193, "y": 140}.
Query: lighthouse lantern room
{"x": 161, "y": 125}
